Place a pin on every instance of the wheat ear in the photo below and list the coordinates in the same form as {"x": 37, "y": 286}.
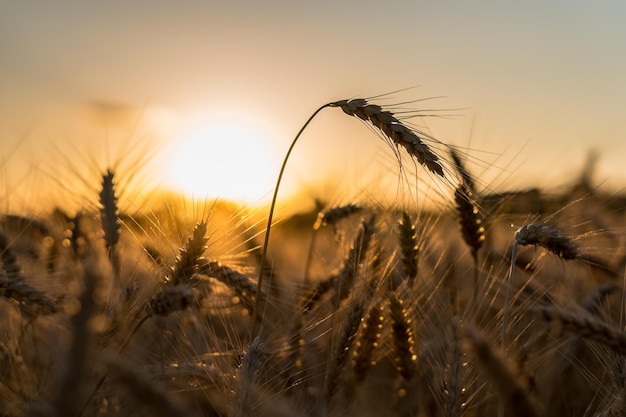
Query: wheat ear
{"x": 470, "y": 219}
{"x": 513, "y": 396}
{"x": 340, "y": 353}
{"x": 455, "y": 393}
{"x": 540, "y": 234}
{"x": 367, "y": 341}
{"x": 586, "y": 326}
{"x": 247, "y": 376}
{"x": 404, "y": 344}
{"x": 345, "y": 278}
{"x": 109, "y": 216}
{"x": 244, "y": 286}
{"x": 548, "y": 237}
{"x": 459, "y": 165}
{"x": 170, "y": 299}
{"x": 13, "y": 286}
{"x": 469, "y": 214}
{"x": 175, "y": 295}
{"x": 392, "y": 128}
{"x": 407, "y": 239}
{"x": 334, "y": 215}
{"x": 331, "y": 216}
{"x": 190, "y": 256}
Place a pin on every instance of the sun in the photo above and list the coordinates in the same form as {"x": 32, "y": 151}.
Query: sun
{"x": 228, "y": 157}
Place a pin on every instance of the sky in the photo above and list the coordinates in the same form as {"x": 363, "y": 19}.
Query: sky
{"x": 207, "y": 95}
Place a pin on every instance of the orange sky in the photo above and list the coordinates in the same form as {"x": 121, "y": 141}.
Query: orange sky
{"x": 540, "y": 83}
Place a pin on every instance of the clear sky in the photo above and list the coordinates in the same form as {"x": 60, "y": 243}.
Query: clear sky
{"x": 539, "y": 83}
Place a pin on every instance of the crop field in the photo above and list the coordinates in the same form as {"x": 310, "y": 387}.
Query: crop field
{"x": 482, "y": 303}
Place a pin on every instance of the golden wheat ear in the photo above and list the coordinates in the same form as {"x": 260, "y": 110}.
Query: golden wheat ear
{"x": 109, "y": 215}
{"x": 190, "y": 257}
{"x": 409, "y": 247}
{"x": 468, "y": 208}
{"x": 394, "y": 129}
{"x": 403, "y": 338}
{"x": 470, "y": 219}
{"x": 367, "y": 341}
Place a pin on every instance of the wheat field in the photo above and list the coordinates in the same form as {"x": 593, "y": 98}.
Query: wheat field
{"x": 505, "y": 303}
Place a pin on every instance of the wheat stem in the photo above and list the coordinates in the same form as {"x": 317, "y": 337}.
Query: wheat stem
{"x": 257, "y": 302}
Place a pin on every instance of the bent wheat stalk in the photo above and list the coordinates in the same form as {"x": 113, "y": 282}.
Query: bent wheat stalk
{"x": 398, "y": 134}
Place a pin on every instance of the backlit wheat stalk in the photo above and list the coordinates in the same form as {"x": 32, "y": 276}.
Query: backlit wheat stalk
{"x": 393, "y": 130}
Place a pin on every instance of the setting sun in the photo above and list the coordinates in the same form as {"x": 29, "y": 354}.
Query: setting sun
{"x": 231, "y": 158}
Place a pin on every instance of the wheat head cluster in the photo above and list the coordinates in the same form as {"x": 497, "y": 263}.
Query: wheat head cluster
{"x": 489, "y": 304}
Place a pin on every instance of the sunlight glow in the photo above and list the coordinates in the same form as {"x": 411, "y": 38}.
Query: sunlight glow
{"x": 230, "y": 158}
